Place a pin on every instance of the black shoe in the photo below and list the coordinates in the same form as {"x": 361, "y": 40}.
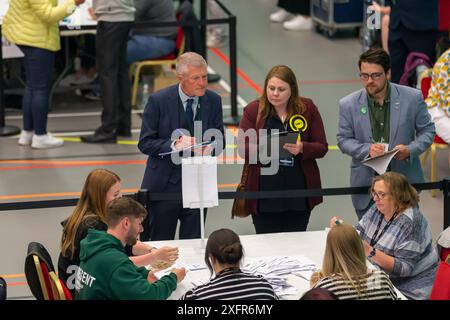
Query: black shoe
{"x": 100, "y": 138}
{"x": 213, "y": 77}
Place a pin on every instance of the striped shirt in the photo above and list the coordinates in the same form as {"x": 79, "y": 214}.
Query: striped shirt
{"x": 233, "y": 285}
{"x": 408, "y": 239}
{"x": 374, "y": 285}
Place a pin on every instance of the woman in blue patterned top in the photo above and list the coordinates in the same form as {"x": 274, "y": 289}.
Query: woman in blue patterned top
{"x": 397, "y": 237}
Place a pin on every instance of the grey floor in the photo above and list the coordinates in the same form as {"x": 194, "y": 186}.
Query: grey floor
{"x": 326, "y": 69}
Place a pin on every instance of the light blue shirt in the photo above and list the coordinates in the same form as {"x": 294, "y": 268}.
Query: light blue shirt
{"x": 184, "y": 98}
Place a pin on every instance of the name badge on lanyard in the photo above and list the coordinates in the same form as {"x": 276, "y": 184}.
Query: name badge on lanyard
{"x": 287, "y": 162}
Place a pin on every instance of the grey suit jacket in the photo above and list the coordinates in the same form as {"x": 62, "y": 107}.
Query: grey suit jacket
{"x": 410, "y": 124}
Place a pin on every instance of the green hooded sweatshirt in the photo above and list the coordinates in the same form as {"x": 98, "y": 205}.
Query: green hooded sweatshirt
{"x": 107, "y": 273}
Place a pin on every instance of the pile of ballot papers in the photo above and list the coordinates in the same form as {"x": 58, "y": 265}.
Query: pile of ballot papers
{"x": 276, "y": 269}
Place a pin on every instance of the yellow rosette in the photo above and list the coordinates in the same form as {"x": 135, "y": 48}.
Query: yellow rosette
{"x": 298, "y": 124}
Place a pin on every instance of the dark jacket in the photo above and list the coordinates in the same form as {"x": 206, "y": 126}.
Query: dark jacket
{"x": 67, "y": 266}
{"x": 106, "y": 273}
{"x": 164, "y": 113}
{"x": 155, "y": 11}
{"x": 192, "y": 33}
{"x": 420, "y": 15}
{"x": 314, "y": 146}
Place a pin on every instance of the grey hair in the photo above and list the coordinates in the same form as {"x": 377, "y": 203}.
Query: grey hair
{"x": 189, "y": 59}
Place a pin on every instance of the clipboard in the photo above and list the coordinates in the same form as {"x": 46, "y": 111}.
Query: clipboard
{"x": 198, "y": 145}
{"x": 283, "y": 138}
{"x": 386, "y": 154}
{"x": 380, "y": 163}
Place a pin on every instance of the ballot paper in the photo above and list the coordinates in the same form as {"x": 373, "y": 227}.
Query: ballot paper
{"x": 381, "y": 162}
{"x": 276, "y": 269}
{"x": 199, "y": 173}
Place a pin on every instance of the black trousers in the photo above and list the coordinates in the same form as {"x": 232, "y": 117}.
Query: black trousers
{"x": 287, "y": 221}
{"x": 295, "y": 6}
{"x": 111, "y": 47}
{"x": 402, "y": 41}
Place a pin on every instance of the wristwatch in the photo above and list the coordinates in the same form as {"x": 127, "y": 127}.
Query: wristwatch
{"x": 372, "y": 253}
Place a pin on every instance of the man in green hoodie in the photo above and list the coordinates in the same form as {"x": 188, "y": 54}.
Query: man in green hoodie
{"x": 106, "y": 272}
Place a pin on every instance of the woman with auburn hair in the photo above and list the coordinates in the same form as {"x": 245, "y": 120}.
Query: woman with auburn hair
{"x": 344, "y": 270}
{"x": 281, "y": 108}
{"x": 397, "y": 237}
{"x": 101, "y": 187}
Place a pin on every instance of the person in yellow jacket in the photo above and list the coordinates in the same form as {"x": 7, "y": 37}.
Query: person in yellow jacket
{"x": 33, "y": 26}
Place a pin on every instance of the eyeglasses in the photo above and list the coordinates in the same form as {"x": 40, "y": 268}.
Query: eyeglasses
{"x": 374, "y": 76}
{"x": 378, "y": 195}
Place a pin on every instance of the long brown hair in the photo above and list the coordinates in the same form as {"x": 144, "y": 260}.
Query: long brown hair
{"x": 402, "y": 192}
{"x": 344, "y": 255}
{"x": 295, "y": 105}
{"x": 92, "y": 200}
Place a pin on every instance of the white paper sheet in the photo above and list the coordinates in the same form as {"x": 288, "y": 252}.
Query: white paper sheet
{"x": 380, "y": 163}
{"x": 192, "y": 169}
{"x": 276, "y": 269}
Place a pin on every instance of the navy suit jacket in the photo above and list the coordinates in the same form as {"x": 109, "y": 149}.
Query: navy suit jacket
{"x": 163, "y": 114}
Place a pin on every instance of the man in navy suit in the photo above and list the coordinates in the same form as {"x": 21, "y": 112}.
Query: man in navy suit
{"x": 413, "y": 27}
{"x": 168, "y": 113}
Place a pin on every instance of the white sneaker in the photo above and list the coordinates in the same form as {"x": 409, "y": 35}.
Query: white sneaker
{"x": 25, "y": 138}
{"x": 46, "y": 141}
{"x": 298, "y": 23}
{"x": 215, "y": 40}
{"x": 280, "y": 16}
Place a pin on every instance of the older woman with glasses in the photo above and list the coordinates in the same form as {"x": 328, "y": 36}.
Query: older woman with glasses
{"x": 397, "y": 237}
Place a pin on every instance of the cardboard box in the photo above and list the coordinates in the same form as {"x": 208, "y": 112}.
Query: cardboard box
{"x": 164, "y": 80}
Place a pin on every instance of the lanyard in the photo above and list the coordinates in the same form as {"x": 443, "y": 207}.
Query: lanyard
{"x": 377, "y": 236}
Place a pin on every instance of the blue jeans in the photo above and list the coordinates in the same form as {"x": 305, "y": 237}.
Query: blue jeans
{"x": 142, "y": 47}
{"x": 38, "y": 64}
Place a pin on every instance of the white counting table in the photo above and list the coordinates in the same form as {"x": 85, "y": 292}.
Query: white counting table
{"x": 310, "y": 244}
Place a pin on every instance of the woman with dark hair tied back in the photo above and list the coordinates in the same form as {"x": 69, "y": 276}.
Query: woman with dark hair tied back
{"x": 223, "y": 256}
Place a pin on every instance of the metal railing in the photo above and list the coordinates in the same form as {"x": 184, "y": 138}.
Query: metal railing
{"x": 145, "y": 197}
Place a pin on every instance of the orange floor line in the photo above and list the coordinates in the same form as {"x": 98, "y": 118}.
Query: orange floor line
{"x": 67, "y": 165}
{"x": 70, "y": 162}
{"x": 77, "y": 194}
{"x": 89, "y": 163}
{"x": 12, "y": 276}
{"x": 241, "y": 73}
{"x": 16, "y": 284}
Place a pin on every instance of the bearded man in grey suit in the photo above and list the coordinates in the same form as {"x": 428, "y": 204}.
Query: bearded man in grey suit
{"x": 382, "y": 114}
